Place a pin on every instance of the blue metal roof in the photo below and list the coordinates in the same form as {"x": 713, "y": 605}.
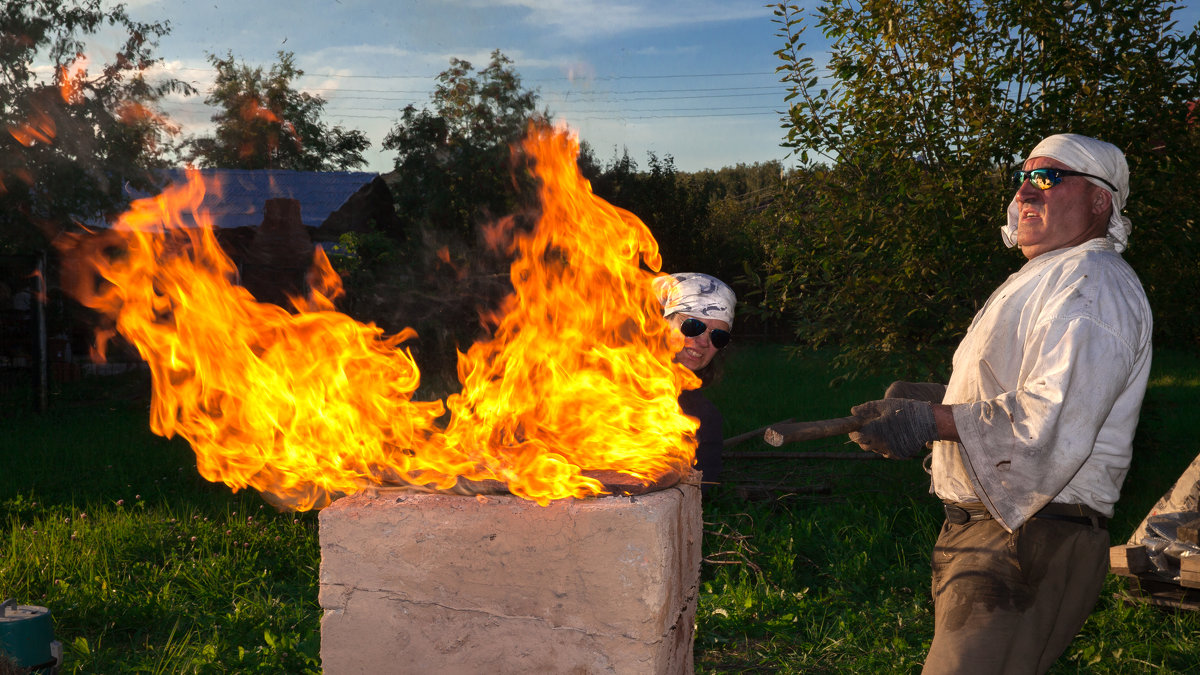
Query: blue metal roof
{"x": 236, "y": 197}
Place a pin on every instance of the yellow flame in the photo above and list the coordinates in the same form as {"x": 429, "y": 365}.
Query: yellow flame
{"x": 577, "y": 377}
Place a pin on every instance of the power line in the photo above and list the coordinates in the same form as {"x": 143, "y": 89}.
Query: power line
{"x": 604, "y": 78}
{"x": 587, "y": 115}
{"x": 569, "y": 92}
{"x": 335, "y": 98}
{"x": 622, "y": 110}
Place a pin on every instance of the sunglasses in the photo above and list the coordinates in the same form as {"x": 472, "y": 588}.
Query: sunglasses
{"x": 695, "y": 328}
{"x": 1044, "y": 179}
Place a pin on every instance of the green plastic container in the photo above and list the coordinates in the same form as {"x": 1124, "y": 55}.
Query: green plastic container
{"x": 26, "y": 634}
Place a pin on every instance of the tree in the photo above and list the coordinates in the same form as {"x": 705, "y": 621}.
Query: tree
{"x": 672, "y": 204}
{"x": 454, "y": 172}
{"x": 264, "y": 123}
{"x": 73, "y": 138}
{"x": 453, "y": 165}
{"x": 907, "y": 146}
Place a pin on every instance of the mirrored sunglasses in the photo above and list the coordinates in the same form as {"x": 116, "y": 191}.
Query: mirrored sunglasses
{"x": 695, "y": 328}
{"x": 1044, "y": 179}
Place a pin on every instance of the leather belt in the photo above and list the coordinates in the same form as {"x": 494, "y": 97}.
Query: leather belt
{"x": 959, "y": 514}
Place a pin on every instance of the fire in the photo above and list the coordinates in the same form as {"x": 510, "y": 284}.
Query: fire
{"x": 252, "y": 110}
{"x": 71, "y": 77}
{"x": 40, "y": 128}
{"x": 577, "y": 377}
{"x": 133, "y": 113}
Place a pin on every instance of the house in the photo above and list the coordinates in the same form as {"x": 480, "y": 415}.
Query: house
{"x": 236, "y": 197}
{"x": 269, "y": 221}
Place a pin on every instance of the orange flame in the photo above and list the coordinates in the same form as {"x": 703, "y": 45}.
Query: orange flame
{"x": 253, "y": 109}
{"x": 577, "y": 377}
{"x": 71, "y": 79}
{"x": 39, "y": 128}
{"x": 132, "y": 113}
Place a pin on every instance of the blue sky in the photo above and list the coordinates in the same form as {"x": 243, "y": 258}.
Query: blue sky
{"x": 693, "y": 80}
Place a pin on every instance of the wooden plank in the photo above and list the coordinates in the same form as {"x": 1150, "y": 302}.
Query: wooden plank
{"x": 1189, "y": 571}
{"x": 1189, "y": 532}
{"x": 1163, "y": 594}
{"x": 1125, "y": 560}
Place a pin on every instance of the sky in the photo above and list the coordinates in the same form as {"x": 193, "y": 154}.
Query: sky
{"x": 691, "y": 80}
{"x": 694, "y": 80}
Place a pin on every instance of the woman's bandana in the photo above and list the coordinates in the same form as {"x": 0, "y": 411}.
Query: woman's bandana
{"x": 694, "y": 294}
{"x": 1089, "y": 155}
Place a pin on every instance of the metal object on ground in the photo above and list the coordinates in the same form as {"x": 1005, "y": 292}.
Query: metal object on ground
{"x": 27, "y": 637}
{"x": 778, "y": 434}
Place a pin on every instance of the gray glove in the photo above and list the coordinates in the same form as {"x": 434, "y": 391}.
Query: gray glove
{"x": 897, "y": 428}
{"x": 932, "y": 392}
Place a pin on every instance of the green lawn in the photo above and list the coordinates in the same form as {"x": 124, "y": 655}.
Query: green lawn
{"x": 149, "y": 568}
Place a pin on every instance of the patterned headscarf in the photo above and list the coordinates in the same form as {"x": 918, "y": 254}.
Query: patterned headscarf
{"x": 1089, "y": 155}
{"x": 694, "y": 294}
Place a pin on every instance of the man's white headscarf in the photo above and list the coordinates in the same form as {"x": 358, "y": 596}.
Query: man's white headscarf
{"x": 1089, "y": 155}
{"x": 694, "y": 294}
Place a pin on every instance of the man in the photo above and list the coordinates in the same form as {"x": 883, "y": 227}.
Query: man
{"x": 1032, "y": 437}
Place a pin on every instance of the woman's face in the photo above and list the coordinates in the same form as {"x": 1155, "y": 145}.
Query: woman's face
{"x": 697, "y": 351}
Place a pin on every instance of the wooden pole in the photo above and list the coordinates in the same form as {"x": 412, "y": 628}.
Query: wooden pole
{"x": 800, "y": 455}
{"x": 756, "y": 433}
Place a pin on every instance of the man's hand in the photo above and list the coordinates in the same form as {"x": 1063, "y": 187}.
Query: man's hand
{"x": 897, "y": 428}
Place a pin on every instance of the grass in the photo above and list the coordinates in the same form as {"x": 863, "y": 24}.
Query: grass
{"x": 843, "y": 578}
{"x": 148, "y": 568}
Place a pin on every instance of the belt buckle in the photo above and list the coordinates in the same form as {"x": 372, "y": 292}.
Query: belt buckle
{"x": 957, "y": 515}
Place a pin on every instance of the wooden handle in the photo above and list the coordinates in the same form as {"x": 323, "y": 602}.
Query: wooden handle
{"x": 778, "y": 434}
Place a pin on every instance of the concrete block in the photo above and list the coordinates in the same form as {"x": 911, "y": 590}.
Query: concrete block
{"x": 414, "y": 582}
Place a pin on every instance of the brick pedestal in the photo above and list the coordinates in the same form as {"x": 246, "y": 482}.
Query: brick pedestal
{"x": 426, "y": 583}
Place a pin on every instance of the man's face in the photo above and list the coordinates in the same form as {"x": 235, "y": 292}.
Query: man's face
{"x": 1066, "y": 215}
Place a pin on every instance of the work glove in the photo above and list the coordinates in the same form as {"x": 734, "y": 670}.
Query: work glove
{"x": 897, "y": 428}
{"x": 933, "y": 392}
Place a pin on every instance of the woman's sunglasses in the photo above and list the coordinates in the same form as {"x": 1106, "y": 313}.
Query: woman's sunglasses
{"x": 695, "y": 328}
{"x": 1044, "y": 179}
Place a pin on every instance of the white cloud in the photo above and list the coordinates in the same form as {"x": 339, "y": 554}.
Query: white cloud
{"x": 578, "y": 19}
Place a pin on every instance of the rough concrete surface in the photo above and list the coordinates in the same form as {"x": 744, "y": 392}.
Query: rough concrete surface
{"x": 426, "y": 583}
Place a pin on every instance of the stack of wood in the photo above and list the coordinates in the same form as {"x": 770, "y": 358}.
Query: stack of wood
{"x": 1164, "y": 568}
{"x": 1162, "y": 559}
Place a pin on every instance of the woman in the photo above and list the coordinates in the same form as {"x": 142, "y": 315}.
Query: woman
{"x": 701, "y": 308}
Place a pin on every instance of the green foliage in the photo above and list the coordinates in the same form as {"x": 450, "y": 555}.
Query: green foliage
{"x": 674, "y": 208}
{"x": 893, "y": 222}
{"x": 264, "y": 123}
{"x": 453, "y": 167}
{"x": 718, "y": 222}
{"x": 65, "y": 157}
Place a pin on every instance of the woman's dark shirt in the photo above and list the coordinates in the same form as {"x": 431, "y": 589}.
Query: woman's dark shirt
{"x": 709, "y": 435}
